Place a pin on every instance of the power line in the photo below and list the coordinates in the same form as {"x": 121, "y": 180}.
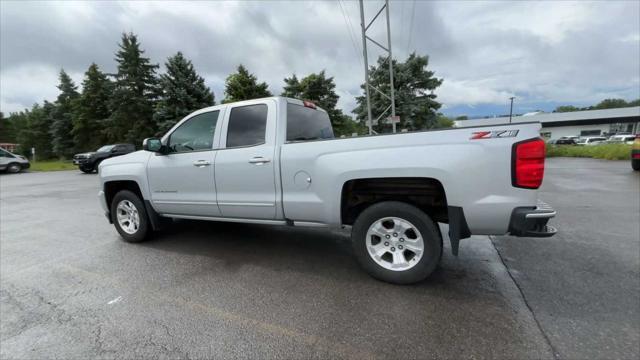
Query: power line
{"x": 413, "y": 11}
{"x": 401, "y": 32}
{"x": 347, "y": 23}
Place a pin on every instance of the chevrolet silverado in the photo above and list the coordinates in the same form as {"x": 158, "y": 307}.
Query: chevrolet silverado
{"x": 276, "y": 161}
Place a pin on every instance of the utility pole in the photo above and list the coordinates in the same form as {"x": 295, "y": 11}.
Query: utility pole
{"x": 511, "y": 110}
{"x": 368, "y": 86}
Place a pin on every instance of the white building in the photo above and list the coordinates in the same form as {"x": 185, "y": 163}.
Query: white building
{"x": 577, "y": 123}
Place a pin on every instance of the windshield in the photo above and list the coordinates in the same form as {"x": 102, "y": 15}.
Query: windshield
{"x": 105, "y": 148}
{"x": 304, "y": 123}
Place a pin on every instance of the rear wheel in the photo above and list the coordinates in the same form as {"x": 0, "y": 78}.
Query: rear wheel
{"x": 14, "y": 168}
{"x": 396, "y": 242}
{"x": 129, "y": 216}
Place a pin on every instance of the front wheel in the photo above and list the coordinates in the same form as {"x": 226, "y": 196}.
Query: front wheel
{"x": 86, "y": 170}
{"x": 14, "y": 168}
{"x": 129, "y": 216}
{"x": 635, "y": 164}
{"x": 396, "y": 242}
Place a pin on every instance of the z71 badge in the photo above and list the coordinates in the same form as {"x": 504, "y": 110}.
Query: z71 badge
{"x": 494, "y": 134}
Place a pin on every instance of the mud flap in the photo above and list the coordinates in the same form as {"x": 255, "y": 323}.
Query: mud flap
{"x": 458, "y": 228}
{"x": 154, "y": 218}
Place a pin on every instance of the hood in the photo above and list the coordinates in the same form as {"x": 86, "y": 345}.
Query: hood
{"x": 140, "y": 156}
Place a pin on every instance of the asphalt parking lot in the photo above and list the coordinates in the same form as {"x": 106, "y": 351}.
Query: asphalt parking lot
{"x": 69, "y": 288}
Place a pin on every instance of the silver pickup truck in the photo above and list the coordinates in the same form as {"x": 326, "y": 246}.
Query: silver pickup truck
{"x": 276, "y": 161}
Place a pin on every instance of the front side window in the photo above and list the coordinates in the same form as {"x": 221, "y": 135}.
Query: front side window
{"x": 247, "y": 125}
{"x": 194, "y": 134}
{"x": 4, "y": 153}
{"x": 304, "y": 123}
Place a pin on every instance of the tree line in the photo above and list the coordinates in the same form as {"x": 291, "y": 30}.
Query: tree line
{"x": 604, "y": 104}
{"x": 136, "y": 102}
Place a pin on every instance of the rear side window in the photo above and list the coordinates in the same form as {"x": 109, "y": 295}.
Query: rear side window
{"x": 194, "y": 134}
{"x": 247, "y": 125}
{"x": 305, "y": 123}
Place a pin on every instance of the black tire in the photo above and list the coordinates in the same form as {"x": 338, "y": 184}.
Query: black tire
{"x": 427, "y": 228}
{"x": 14, "y": 168}
{"x": 143, "y": 229}
{"x": 96, "y": 165}
{"x": 86, "y": 170}
{"x": 635, "y": 164}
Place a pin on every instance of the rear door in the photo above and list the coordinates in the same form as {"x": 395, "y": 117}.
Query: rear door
{"x": 245, "y": 172}
{"x": 182, "y": 181}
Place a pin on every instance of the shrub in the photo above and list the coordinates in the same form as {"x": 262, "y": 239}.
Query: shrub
{"x": 600, "y": 151}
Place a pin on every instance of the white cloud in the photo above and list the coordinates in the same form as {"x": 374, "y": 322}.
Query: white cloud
{"x": 470, "y": 93}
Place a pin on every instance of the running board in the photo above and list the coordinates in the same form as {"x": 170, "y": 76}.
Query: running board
{"x": 247, "y": 221}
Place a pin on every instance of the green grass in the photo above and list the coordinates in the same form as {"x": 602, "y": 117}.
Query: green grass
{"x": 601, "y": 151}
{"x": 52, "y": 165}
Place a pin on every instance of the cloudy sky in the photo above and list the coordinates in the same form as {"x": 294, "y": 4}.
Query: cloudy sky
{"x": 544, "y": 53}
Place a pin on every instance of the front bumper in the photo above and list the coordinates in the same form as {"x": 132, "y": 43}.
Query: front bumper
{"x": 532, "y": 222}
{"x": 80, "y": 161}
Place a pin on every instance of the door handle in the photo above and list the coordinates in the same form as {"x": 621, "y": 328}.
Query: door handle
{"x": 201, "y": 163}
{"x": 259, "y": 160}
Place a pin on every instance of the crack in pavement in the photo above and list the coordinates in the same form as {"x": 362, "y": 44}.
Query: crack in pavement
{"x": 556, "y": 353}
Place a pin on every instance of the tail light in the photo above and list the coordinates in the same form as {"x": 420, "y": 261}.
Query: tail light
{"x": 527, "y": 167}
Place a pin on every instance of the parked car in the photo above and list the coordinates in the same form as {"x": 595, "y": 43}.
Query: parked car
{"x": 12, "y": 163}
{"x": 88, "y": 162}
{"x": 591, "y": 140}
{"x": 622, "y": 139}
{"x": 276, "y": 161}
{"x": 574, "y": 138}
{"x": 635, "y": 154}
{"x": 562, "y": 142}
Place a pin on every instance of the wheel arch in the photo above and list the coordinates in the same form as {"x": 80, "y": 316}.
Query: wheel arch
{"x": 426, "y": 193}
{"x": 111, "y": 188}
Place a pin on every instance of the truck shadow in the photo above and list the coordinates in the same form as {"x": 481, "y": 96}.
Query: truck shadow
{"x": 317, "y": 252}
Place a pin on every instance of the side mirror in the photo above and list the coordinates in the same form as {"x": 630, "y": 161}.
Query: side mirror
{"x": 114, "y": 150}
{"x": 152, "y": 144}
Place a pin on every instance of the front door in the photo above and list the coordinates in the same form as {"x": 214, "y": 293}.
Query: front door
{"x": 245, "y": 176}
{"x": 182, "y": 182}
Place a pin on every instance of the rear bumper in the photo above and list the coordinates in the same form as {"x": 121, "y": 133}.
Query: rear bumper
{"x": 532, "y": 222}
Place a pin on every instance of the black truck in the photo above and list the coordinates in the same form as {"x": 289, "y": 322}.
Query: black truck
{"x": 88, "y": 162}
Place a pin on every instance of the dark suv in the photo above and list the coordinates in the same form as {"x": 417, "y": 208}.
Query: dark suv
{"x": 88, "y": 162}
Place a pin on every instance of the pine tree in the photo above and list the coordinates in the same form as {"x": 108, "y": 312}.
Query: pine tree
{"x": 321, "y": 90}
{"x": 244, "y": 86}
{"x": 6, "y": 129}
{"x": 182, "y": 92}
{"x": 62, "y": 124}
{"x": 292, "y": 88}
{"x": 135, "y": 92}
{"x": 413, "y": 85}
{"x": 92, "y": 110}
{"x": 33, "y": 129}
